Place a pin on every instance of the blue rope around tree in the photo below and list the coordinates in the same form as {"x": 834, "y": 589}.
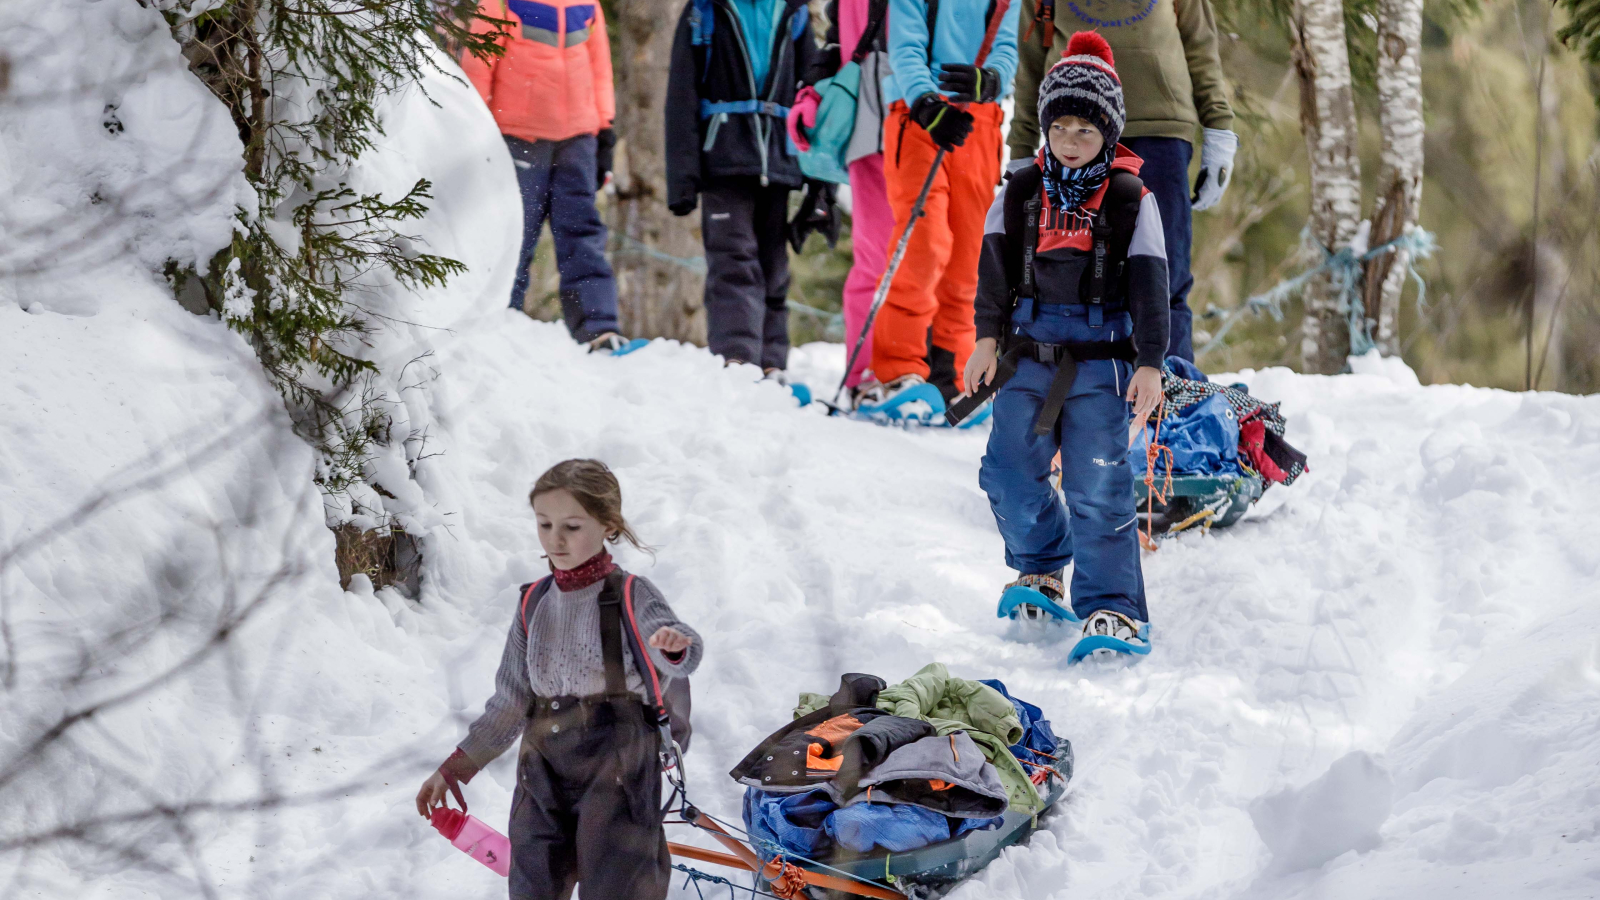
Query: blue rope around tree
{"x": 1347, "y": 268}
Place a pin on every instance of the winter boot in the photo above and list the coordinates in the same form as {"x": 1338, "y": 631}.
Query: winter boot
{"x": 1035, "y": 598}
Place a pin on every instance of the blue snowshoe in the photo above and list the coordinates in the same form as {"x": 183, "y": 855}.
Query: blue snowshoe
{"x": 613, "y": 344}
{"x": 1034, "y": 598}
{"x": 798, "y": 390}
{"x": 1108, "y": 635}
{"x": 630, "y": 346}
{"x": 907, "y": 400}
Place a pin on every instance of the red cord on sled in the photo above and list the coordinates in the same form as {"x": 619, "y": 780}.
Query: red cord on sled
{"x": 1152, "y": 452}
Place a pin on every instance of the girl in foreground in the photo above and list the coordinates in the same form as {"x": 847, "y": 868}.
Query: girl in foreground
{"x": 587, "y": 807}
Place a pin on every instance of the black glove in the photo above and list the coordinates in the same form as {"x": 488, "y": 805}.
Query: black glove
{"x": 817, "y": 212}
{"x": 685, "y": 204}
{"x": 604, "y": 151}
{"x": 947, "y": 125}
{"x": 969, "y": 84}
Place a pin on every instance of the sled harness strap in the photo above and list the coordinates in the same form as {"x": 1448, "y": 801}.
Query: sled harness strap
{"x": 1065, "y": 357}
{"x": 611, "y": 638}
{"x": 616, "y": 603}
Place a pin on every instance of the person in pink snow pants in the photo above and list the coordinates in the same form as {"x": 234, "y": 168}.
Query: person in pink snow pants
{"x": 871, "y": 219}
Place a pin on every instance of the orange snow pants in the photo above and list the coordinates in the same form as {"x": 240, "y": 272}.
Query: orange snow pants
{"x": 928, "y": 313}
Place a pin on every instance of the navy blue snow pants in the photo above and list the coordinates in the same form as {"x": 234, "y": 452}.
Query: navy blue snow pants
{"x": 558, "y": 181}
{"x": 1100, "y": 534}
{"x": 1166, "y": 174}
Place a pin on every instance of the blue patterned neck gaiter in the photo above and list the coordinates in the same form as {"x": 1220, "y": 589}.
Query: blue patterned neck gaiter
{"x": 1069, "y": 188}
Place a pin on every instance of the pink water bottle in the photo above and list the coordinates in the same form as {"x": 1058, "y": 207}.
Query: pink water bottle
{"x": 474, "y": 838}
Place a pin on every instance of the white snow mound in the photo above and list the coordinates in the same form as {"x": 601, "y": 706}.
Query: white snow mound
{"x": 1338, "y": 812}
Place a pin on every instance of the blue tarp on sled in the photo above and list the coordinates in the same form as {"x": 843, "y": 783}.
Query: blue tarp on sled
{"x": 809, "y": 824}
{"x": 1204, "y": 440}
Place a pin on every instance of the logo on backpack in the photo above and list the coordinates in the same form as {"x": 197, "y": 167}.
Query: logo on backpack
{"x": 1111, "y": 13}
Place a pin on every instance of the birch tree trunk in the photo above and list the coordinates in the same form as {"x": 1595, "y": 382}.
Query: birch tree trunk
{"x": 1400, "y": 179}
{"x": 1328, "y": 120}
{"x": 659, "y": 288}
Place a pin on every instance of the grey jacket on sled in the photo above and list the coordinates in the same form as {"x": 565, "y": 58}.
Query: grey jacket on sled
{"x": 971, "y": 787}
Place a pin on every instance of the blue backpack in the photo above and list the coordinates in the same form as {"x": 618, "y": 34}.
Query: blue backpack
{"x": 836, "y": 113}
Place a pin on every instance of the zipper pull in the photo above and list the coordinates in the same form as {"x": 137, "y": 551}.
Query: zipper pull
{"x": 763, "y": 180}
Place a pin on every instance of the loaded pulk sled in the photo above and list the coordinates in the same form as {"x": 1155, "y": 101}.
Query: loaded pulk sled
{"x": 892, "y": 753}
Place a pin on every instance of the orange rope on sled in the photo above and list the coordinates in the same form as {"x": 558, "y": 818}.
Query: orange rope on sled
{"x": 790, "y": 884}
{"x": 1152, "y": 453}
{"x": 784, "y": 875}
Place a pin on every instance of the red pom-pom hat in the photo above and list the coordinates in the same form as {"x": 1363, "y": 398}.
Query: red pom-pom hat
{"x": 1084, "y": 83}
{"x": 1090, "y": 48}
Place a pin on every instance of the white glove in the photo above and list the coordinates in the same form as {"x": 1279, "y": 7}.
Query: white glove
{"x": 1216, "y": 167}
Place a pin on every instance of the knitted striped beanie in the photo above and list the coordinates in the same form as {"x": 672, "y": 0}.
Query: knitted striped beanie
{"x": 1084, "y": 83}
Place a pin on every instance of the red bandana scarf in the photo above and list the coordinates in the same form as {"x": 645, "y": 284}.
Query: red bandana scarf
{"x": 581, "y": 576}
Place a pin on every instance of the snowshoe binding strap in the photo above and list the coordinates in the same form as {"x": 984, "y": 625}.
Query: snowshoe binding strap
{"x": 610, "y": 342}
{"x": 1047, "y": 584}
{"x": 1036, "y": 597}
{"x": 1110, "y": 624}
{"x": 1107, "y": 633}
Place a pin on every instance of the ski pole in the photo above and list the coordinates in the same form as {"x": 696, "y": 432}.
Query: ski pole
{"x": 882, "y": 293}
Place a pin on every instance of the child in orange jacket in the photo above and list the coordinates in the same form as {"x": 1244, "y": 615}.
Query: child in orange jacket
{"x": 551, "y": 94}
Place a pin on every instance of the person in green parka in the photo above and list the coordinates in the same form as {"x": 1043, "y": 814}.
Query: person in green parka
{"x": 1167, "y": 57}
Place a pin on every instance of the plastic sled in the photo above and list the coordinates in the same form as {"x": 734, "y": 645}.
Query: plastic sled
{"x": 936, "y": 869}
{"x": 802, "y": 393}
{"x": 1018, "y": 595}
{"x": 1204, "y": 501}
{"x": 1087, "y": 647}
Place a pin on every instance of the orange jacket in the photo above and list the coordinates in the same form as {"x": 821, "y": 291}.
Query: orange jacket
{"x": 555, "y": 80}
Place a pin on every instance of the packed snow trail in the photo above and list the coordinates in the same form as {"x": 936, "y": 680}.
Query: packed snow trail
{"x": 1436, "y": 525}
{"x": 1425, "y": 594}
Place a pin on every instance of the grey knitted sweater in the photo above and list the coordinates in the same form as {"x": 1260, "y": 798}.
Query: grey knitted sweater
{"x": 560, "y": 656}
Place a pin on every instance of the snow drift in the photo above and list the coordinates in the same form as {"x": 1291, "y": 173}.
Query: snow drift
{"x": 1415, "y": 620}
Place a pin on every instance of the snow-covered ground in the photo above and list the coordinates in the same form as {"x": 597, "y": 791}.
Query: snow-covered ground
{"x": 1383, "y": 682}
{"x": 1424, "y": 596}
